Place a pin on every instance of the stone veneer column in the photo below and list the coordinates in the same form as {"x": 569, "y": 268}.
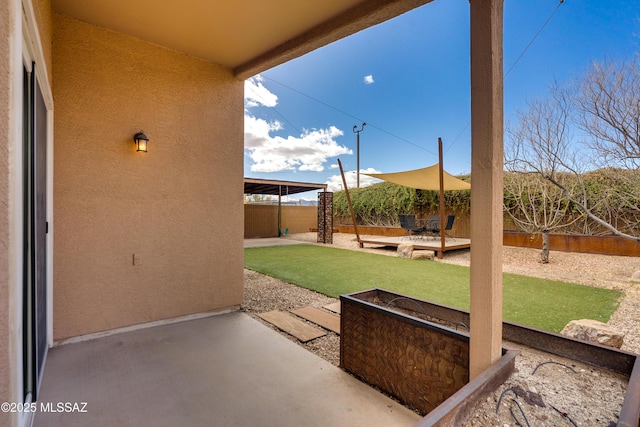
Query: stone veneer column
{"x": 325, "y": 217}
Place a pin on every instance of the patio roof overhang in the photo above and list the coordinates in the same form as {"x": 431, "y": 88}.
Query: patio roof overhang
{"x": 218, "y": 31}
{"x": 279, "y": 188}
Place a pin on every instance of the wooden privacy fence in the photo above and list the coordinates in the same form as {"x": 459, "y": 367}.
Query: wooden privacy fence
{"x": 262, "y": 220}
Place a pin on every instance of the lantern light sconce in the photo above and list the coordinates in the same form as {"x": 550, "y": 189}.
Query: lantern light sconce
{"x": 141, "y": 141}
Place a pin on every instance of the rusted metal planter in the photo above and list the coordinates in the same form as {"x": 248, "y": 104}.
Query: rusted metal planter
{"x": 372, "y": 317}
{"x": 419, "y": 362}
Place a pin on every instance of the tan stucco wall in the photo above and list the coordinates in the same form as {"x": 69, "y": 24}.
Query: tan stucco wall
{"x": 5, "y": 120}
{"x": 179, "y": 207}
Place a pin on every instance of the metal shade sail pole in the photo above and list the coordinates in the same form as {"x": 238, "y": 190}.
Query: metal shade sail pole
{"x": 279, "y": 210}
{"x": 441, "y": 177}
{"x": 353, "y": 214}
{"x": 357, "y": 132}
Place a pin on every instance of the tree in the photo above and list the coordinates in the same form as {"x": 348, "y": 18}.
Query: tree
{"x": 603, "y": 105}
{"x": 538, "y": 170}
{"x": 537, "y": 206}
{"x": 607, "y": 102}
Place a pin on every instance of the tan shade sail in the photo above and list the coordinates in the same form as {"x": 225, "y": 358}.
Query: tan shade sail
{"x": 423, "y": 179}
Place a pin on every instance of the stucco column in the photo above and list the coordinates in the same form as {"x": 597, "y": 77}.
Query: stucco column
{"x": 486, "y": 191}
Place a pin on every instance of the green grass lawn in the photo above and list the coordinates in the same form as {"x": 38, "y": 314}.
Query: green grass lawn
{"x": 544, "y": 304}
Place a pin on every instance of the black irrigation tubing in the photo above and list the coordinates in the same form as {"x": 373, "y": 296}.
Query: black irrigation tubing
{"x": 502, "y": 395}
{"x": 411, "y": 300}
{"x": 564, "y": 415}
{"x": 511, "y": 408}
{"x": 513, "y": 415}
{"x": 521, "y": 411}
{"x": 555, "y": 363}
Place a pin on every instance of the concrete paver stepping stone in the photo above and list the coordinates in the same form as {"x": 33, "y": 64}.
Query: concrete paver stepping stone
{"x": 334, "y": 306}
{"x": 326, "y": 320}
{"x": 292, "y": 325}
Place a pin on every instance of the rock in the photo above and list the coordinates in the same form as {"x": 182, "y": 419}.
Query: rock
{"x": 405, "y": 250}
{"x": 636, "y": 276}
{"x": 593, "y": 331}
{"x": 422, "y": 254}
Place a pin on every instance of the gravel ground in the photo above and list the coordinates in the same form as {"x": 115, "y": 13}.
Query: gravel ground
{"x": 590, "y": 396}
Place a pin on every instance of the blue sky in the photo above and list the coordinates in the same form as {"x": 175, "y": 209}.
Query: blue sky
{"x": 408, "y": 78}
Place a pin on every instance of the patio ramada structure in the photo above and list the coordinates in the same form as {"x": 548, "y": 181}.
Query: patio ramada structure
{"x": 95, "y": 236}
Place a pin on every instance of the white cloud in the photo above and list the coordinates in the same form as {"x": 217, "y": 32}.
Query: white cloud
{"x": 272, "y": 153}
{"x": 256, "y": 131}
{"x": 255, "y": 94}
{"x": 308, "y": 152}
{"x": 334, "y": 183}
{"x": 368, "y": 80}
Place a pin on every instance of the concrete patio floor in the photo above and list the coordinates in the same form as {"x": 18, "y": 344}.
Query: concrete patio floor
{"x": 224, "y": 370}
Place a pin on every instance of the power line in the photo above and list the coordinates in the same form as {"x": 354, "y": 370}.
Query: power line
{"x": 514, "y": 63}
{"x": 255, "y": 94}
{"x": 349, "y": 115}
{"x": 535, "y": 36}
{"x": 302, "y": 134}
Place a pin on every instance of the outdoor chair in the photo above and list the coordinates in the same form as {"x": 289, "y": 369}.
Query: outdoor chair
{"x": 433, "y": 225}
{"x": 449, "y": 225}
{"x": 408, "y": 222}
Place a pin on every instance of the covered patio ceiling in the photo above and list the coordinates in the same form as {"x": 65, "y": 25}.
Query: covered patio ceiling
{"x": 247, "y": 36}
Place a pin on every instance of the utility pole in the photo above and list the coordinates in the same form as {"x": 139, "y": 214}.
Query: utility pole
{"x": 357, "y": 132}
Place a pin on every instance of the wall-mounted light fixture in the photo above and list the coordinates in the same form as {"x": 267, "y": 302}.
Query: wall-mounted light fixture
{"x": 141, "y": 141}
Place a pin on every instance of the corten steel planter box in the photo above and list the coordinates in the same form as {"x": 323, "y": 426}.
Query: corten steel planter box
{"x": 374, "y": 321}
{"x": 417, "y": 361}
